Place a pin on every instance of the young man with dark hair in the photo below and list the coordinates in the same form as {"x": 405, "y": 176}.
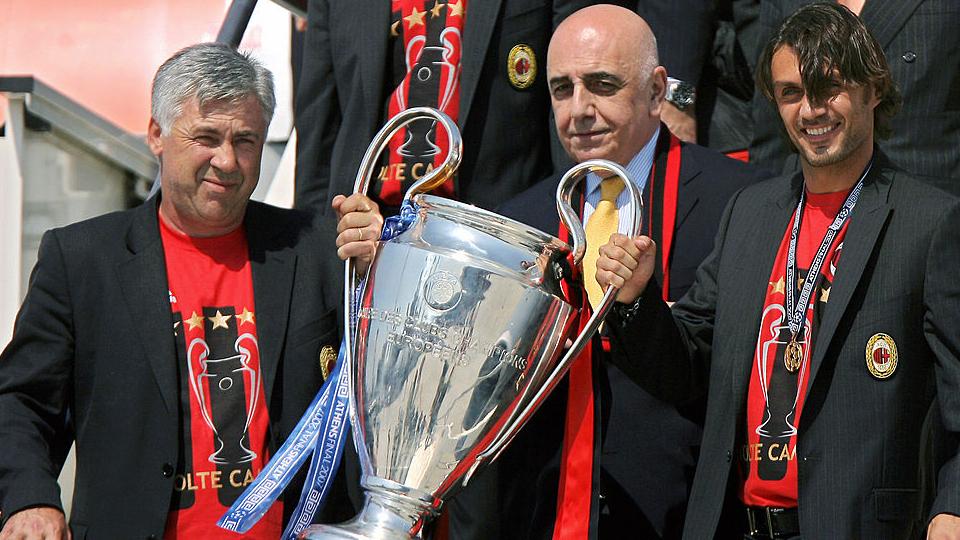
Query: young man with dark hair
{"x": 922, "y": 46}
{"x": 824, "y": 323}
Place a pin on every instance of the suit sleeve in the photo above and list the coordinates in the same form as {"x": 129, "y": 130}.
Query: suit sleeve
{"x": 317, "y": 115}
{"x": 684, "y": 31}
{"x": 942, "y": 329}
{"x": 36, "y": 379}
{"x": 667, "y": 350}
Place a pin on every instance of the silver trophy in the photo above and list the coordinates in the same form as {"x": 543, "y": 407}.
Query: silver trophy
{"x": 461, "y": 327}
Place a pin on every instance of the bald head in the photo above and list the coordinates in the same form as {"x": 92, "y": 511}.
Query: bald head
{"x": 605, "y": 83}
{"x": 608, "y": 24}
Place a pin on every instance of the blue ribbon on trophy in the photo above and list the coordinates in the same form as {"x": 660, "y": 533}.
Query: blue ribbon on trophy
{"x": 320, "y": 432}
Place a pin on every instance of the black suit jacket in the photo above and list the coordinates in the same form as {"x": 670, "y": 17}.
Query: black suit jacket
{"x": 859, "y": 437}
{"x": 344, "y": 86}
{"x": 922, "y": 46}
{"x": 92, "y": 359}
{"x": 648, "y": 447}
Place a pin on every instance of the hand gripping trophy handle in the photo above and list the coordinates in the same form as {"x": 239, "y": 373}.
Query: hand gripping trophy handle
{"x": 571, "y": 220}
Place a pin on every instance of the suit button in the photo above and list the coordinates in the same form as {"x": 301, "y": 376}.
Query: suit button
{"x": 729, "y": 456}
{"x": 167, "y": 470}
{"x": 152, "y": 537}
{"x": 909, "y": 57}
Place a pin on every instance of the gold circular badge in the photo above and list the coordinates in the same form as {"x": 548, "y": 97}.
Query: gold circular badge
{"x": 521, "y": 66}
{"x": 881, "y": 356}
{"x": 793, "y": 356}
{"x": 328, "y": 360}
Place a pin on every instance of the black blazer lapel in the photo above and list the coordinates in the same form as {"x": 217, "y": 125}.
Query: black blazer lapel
{"x": 866, "y": 222}
{"x": 687, "y": 194}
{"x": 481, "y": 18}
{"x": 771, "y": 220}
{"x": 143, "y": 282}
{"x": 652, "y": 211}
{"x": 273, "y": 272}
{"x": 886, "y": 18}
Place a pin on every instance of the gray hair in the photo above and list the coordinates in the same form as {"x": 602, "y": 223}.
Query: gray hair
{"x": 211, "y": 72}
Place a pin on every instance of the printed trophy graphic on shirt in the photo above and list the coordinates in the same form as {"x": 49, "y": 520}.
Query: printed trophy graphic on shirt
{"x": 220, "y": 387}
{"x": 779, "y": 421}
{"x": 428, "y": 69}
{"x": 432, "y": 79}
{"x": 461, "y": 327}
{"x": 781, "y": 390}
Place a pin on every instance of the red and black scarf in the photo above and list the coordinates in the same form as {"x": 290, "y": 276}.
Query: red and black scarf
{"x": 432, "y": 36}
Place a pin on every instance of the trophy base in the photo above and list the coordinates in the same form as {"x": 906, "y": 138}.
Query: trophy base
{"x": 386, "y": 515}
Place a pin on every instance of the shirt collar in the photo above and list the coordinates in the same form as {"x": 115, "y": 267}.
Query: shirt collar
{"x": 638, "y": 169}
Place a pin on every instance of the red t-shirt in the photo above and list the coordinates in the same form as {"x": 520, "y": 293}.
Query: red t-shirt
{"x": 767, "y": 458}
{"x": 223, "y": 439}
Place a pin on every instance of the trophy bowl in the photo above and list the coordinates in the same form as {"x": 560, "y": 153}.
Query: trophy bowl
{"x": 460, "y": 333}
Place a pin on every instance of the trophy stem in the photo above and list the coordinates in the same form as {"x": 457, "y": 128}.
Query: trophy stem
{"x": 387, "y": 514}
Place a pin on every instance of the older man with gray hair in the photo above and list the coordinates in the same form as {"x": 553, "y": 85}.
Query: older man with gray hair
{"x": 177, "y": 343}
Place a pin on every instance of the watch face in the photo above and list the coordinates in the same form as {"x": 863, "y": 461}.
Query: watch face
{"x": 680, "y": 94}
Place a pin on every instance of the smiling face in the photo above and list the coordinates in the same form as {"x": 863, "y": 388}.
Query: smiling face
{"x": 835, "y": 132}
{"x": 604, "y": 106}
{"x": 209, "y": 164}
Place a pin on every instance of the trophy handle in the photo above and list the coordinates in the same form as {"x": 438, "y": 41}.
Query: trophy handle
{"x": 571, "y": 220}
{"x": 428, "y": 181}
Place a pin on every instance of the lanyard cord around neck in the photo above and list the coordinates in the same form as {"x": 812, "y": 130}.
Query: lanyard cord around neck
{"x": 797, "y": 307}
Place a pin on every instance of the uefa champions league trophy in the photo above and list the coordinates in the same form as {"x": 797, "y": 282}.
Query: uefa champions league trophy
{"x": 460, "y": 336}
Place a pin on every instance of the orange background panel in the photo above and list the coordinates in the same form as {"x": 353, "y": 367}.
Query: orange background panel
{"x": 102, "y": 53}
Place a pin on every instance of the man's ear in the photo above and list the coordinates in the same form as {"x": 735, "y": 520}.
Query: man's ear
{"x": 153, "y": 137}
{"x": 872, "y": 97}
{"x": 658, "y": 88}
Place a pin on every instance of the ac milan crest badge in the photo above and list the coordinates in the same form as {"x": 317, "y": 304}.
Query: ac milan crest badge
{"x": 328, "y": 360}
{"x": 881, "y": 356}
{"x": 521, "y": 66}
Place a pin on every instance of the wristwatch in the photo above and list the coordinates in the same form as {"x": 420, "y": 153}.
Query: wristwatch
{"x": 680, "y": 93}
{"x": 626, "y": 312}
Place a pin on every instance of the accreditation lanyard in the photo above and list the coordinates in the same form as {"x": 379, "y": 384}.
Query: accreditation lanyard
{"x": 797, "y": 308}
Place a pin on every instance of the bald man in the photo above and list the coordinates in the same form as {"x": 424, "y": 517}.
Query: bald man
{"x": 607, "y": 91}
